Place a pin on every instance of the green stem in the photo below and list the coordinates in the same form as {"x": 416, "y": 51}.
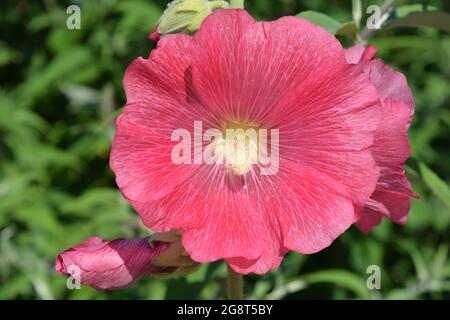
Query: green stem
{"x": 235, "y": 283}
{"x": 367, "y": 33}
{"x": 239, "y": 4}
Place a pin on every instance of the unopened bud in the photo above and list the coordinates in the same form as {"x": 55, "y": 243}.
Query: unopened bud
{"x": 185, "y": 16}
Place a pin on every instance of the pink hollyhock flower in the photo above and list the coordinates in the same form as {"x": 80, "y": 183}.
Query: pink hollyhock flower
{"x": 288, "y": 74}
{"x": 116, "y": 264}
{"x": 391, "y": 146}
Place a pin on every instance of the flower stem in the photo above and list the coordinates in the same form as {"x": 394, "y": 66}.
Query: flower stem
{"x": 239, "y": 4}
{"x": 235, "y": 283}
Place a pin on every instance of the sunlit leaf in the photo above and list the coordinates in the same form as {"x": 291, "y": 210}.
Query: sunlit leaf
{"x": 436, "y": 184}
{"x": 322, "y": 20}
{"x": 405, "y": 10}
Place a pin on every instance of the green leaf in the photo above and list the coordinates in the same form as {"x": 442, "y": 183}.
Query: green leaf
{"x": 138, "y": 16}
{"x": 56, "y": 72}
{"x": 403, "y": 11}
{"x": 288, "y": 288}
{"x": 439, "y": 261}
{"x": 348, "y": 30}
{"x": 8, "y": 55}
{"x": 322, "y": 20}
{"x": 341, "y": 278}
{"x": 439, "y": 188}
{"x": 435, "y": 19}
{"x": 420, "y": 265}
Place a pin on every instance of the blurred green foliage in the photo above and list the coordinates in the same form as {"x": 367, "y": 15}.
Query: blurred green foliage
{"x": 60, "y": 93}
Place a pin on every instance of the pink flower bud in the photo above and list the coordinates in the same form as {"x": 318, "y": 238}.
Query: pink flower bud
{"x": 111, "y": 264}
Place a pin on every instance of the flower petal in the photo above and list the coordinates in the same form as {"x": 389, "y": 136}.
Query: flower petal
{"x": 311, "y": 207}
{"x": 161, "y": 77}
{"x": 158, "y": 102}
{"x": 371, "y": 217}
{"x": 243, "y": 75}
{"x": 328, "y": 123}
{"x": 216, "y": 213}
{"x": 389, "y": 82}
{"x": 141, "y": 152}
{"x": 391, "y": 146}
{"x": 359, "y": 53}
{"x": 391, "y": 150}
{"x": 308, "y": 209}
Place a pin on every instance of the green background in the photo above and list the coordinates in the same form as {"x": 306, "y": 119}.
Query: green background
{"x": 60, "y": 92}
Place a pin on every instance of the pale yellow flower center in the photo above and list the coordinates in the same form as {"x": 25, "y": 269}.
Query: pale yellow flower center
{"x": 239, "y": 148}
